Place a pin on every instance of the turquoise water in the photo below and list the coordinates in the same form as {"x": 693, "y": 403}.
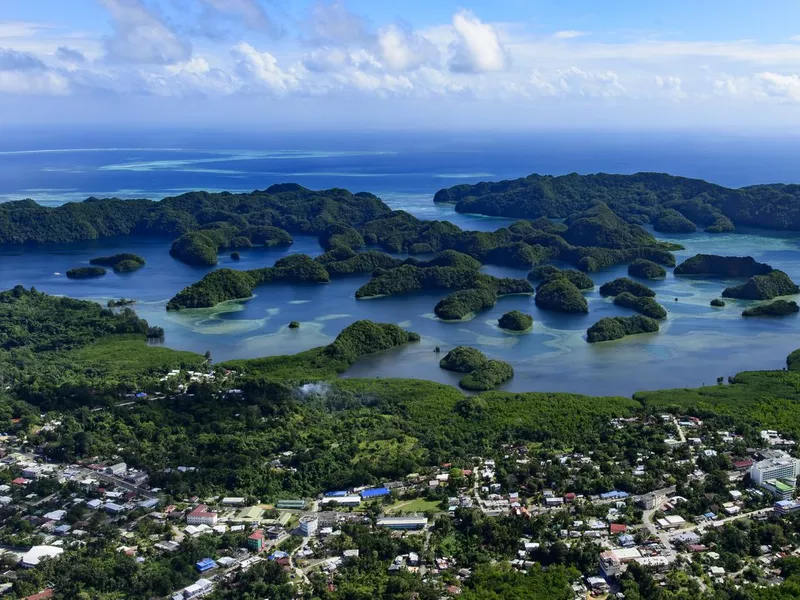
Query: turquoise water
{"x": 696, "y": 344}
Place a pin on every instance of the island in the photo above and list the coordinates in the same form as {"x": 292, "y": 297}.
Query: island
{"x": 623, "y": 284}
{"x": 718, "y": 303}
{"x": 561, "y": 295}
{"x": 463, "y": 303}
{"x": 547, "y": 273}
{"x": 229, "y": 284}
{"x": 515, "y": 320}
{"x": 85, "y": 272}
{"x": 235, "y": 256}
{"x": 643, "y": 305}
{"x": 646, "y": 269}
{"x": 778, "y": 308}
{"x": 615, "y": 328}
{"x": 637, "y": 198}
{"x": 121, "y": 302}
{"x": 481, "y": 373}
{"x": 763, "y": 287}
{"x": 294, "y": 325}
{"x": 121, "y": 263}
{"x": 712, "y": 265}
{"x": 155, "y": 333}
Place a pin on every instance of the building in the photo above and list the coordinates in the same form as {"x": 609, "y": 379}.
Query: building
{"x": 784, "y": 507}
{"x": 256, "y": 541}
{"x": 342, "y": 500}
{"x": 653, "y": 500}
{"x": 200, "y": 588}
{"x": 614, "y": 562}
{"x": 205, "y": 564}
{"x": 782, "y": 489}
{"x": 671, "y": 522}
{"x": 201, "y": 515}
{"x": 403, "y": 523}
{"x": 308, "y": 526}
{"x": 375, "y": 493}
{"x": 118, "y": 469}
{"x": 233, "y": 501}
{"x": 251, "y": 513}
{"x": 34, "y": 556}
{"x": 781, "y": 466}
{"x": 291, "y": 504}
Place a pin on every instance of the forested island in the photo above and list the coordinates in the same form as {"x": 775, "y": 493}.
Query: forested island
{"x": 86, "y": 272}
{"x": 515, "y": 320}
{"x": 561, "y": 295}
{"x": 121, "y": 263}
{"x": 481, "y": 373}
{"x": 646, "y": 269}
{"x": 643, "y": 305}
{"x": 672, "y": 204}
{"x": 712, "y": 265}
{"x": 763, "y": 287}
{"x": 615, "y": 328}
{"x": 625, "y": 285}
{"x": 778, "y": 308}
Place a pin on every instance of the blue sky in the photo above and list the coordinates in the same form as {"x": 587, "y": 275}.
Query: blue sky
{"x": 360, "y": 64}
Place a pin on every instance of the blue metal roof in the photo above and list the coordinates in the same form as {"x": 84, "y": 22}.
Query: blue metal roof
{"x": 205, "y": 564}
{"x": 336, "y": 494}
{"x": 375, "y": 492}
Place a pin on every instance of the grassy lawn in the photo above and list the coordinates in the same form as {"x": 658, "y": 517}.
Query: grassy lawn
{"x": 419, "y": 505}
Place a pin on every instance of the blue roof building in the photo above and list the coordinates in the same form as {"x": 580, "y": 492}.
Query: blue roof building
{"x": 205, "y": 564}
{"x": 336, "y": 494}
{"x": 375, "y": 493}
{"x": 614, "y": 495}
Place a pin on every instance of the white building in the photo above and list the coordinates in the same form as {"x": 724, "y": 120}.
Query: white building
{"x": 33, "y": 556}
{"x": 308, "y": 526}
{"x": 201, "y": 515}
{"x": 782, "y": 467}
{"x": 118, "y": 469}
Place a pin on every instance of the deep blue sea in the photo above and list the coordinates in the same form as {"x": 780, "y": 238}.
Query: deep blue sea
{"x": 696, "y": 343}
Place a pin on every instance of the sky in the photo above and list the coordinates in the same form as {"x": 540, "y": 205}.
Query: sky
{"x": 416, "y": 64}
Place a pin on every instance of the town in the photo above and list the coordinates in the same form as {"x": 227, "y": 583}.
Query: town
{"x": 681, "y": 504}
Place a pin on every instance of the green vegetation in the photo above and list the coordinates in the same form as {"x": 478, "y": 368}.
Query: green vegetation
{"x": 623, "y": 284}
{"x": 646, "y": 269}
{"x": 722, "y": 266}
{"x": 53, "y": 347}
{"x": 646, "y": 306}
{"x": 793, "y": 361}
{"x": 638, "y": 198}
{"x": 364, "y": 262}
{"x": 86, "y": 272}
{"x": 195, "y": 248}
{"x": 548, "y": 273}
{"x": 481, "y": 374}
{"x": 763, "y": 287}
{"x": 487, "y": 377}
{"x": 671, "y": 221}
{"x": 463, "y": 303}
{"x": 294, "y": 325}
{"x": 561, "y": 295}
{"x": 493, "y": 582}
{"x": 236, "y": 256}
{"x": 120, "y": 302}
{"x": 229, "y": 284}
{"x": 356, "y": 340}
{"x": 615, "y": 328}
{"x": 516, "y": 321}
{"x": 463, "y": 359}
{"x": 121, "y": 263}
{"x": 718, "y": 303}
{"x": 778, "y": 308}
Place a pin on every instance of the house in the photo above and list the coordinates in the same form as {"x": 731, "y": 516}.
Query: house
{"x": 200, "y": 588}
{"x": 118, "y": 470}
{"x": 201, "y": 515}
{"x": 35, "y": 555}
{"x": 616, "y": 528}
{"x": 48, "y": 593}
{"x": 55, "y": 515}
{"x": 113, "y": 508}
{"x": 233, "y": 501}
{"x": 205, "y": 564}
{"x": 256, "y": 540}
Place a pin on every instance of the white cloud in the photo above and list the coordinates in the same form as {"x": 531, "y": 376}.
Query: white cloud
{"x": 671, "y": 86}
{"x": 478, "y": 48}
{"x": 261, "y": 68}
{"x": 569, "y": 34}
{"x": 785, "y": 87}
{"x": 142, "y": 36}
{"x": 592, "y": 84}
{"x": 69, "y": 55}
{"x": 33, "y": 83}
{"x": 401, "y": 49}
